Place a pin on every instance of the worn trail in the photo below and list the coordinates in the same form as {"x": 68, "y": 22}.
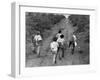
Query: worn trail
{"x": 46, "y": 59}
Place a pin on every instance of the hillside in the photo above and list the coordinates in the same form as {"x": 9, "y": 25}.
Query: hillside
{"x": 81, "y": 55}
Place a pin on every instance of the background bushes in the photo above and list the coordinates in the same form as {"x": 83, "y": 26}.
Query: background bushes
{"x": 81, "y": 22}
{"x": 40, "y": 22}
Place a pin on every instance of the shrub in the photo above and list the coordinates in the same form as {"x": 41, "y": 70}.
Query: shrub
{"x": 41, "y": 22}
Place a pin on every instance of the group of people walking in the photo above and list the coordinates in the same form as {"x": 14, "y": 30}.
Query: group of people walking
{"x": 57, "y": 45}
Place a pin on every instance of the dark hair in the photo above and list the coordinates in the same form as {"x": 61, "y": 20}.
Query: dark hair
{"x": 38, "y": 33}
{"x": 62, "y": 36}
{"x": 59, "y": 31}
{"x": 55, "y": 39}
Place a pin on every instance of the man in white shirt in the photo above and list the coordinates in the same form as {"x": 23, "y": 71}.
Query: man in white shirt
{"x": 58, "y": 34}
{"x": 54, "y": 48}
{"x": 37, "y": 40}
{"x": 61, "y": 41}
{"x": 73, "y": 43}
{"x": 75, "y": 39}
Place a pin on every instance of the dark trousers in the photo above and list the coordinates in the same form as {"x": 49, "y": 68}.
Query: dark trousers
{"x": 61, "y": 55}
{"x": 72, "y": 45}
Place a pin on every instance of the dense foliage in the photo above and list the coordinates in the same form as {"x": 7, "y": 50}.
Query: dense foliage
{"x": 41, "y": 22}
{"x": 82, "y": 24}
{"x": 80, "y": 21}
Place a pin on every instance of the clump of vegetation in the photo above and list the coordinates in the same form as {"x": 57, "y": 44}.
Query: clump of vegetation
{"x": 41, "y": 22}
{"x": 82, "y": 24}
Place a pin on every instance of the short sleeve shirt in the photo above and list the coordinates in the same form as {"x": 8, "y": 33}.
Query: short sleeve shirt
{"x": 58, "y": 35}
{"x": 37, "y": 37}
{"x": 74, "y": 37}
{"x": 54, "y": 46}
{"x": 61, "y": 40}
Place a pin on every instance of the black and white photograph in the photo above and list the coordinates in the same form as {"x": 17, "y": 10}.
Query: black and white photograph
{"x": 53, "y": 39}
